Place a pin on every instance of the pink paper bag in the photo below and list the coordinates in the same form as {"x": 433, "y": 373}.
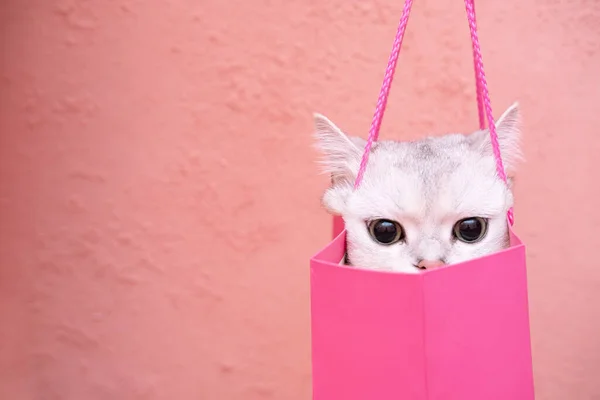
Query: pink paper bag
{"x": 454, "y": 333}
{"x": 459, "y": 332}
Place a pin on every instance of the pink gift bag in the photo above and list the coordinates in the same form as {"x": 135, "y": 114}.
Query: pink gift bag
{"x": 454, "y": 333}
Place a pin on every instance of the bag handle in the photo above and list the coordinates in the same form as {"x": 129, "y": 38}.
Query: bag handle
{"x": 484, "y": 104}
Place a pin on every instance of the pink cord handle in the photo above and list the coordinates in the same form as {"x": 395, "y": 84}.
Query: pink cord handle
{"x": 480, "y": 109}
{"x": 483, "y": 96}
{"x": 484, "y": 103}
{"x": 384, "y": 92}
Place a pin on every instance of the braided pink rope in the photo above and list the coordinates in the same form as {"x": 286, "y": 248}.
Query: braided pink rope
{"x": 480, "y": 110}
{"x": 483, "y": 96}
{"x": 384, "y": 92}
{"x": 484, "y": 103}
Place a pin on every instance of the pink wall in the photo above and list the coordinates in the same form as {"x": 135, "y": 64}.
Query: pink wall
{"x": 159, "y": 198}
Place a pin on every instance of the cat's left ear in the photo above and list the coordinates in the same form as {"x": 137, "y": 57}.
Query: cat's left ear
{"x": 341, "y": 160}
{"x": 508, "y": 129}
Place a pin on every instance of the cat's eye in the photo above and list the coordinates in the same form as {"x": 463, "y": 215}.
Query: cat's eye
{"x": 470, "y": 230}
{"x": 385, "y": 231}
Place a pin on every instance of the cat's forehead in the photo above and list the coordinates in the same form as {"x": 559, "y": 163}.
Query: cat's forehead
{"x": 435, "y": 153}
{"x": 433, "y": 177}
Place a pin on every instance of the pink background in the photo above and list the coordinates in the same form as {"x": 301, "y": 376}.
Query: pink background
{"x": 159, "y": 199}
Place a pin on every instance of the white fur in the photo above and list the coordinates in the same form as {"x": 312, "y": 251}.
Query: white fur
{"x": 426, "y": 186}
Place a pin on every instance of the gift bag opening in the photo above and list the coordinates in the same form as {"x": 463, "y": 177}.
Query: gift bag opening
{"x": 337, "y": 255}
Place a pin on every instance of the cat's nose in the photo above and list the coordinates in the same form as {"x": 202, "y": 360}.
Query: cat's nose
{"x": 430, "y": 264}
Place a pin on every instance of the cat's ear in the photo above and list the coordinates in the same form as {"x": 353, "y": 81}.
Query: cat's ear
{"x": 508, "y": 129}
{"x": 341, "y": 159}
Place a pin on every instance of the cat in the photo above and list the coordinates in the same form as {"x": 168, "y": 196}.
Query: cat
{"x": 421, "y": 204}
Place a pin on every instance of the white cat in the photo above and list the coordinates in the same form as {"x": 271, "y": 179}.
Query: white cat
{"x": 421, "y": 204}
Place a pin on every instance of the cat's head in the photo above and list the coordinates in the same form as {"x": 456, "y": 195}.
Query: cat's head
{"x": 424, "y": 203}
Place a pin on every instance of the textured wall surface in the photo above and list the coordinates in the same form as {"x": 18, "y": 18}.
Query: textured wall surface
{"x": 159, "y": 199}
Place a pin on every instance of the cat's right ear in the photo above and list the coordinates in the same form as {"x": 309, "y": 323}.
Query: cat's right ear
{"x": 341, "y": 159}
{"x": 508, "y": 128}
